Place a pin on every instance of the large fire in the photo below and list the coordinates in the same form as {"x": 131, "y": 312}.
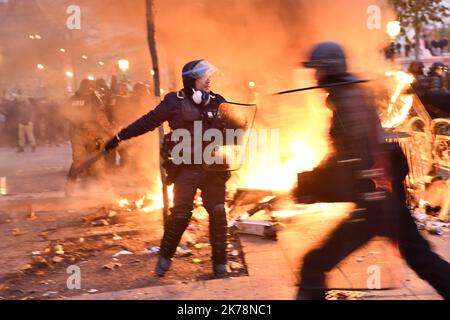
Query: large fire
{"x": 282, "y": 176}
{"x": 400, "y": 103}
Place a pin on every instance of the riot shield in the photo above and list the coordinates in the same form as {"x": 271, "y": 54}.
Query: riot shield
{"x": 226, "y": 151}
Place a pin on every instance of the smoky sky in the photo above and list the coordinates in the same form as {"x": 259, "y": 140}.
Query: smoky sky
{"x": 263, "y": 41}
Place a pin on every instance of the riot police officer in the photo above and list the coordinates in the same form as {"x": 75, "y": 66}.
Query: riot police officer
{"x": 421, "y": 84}
{"x": 89, "y": 125}
{"x": 184, "y": 110}
{"x": 437, "y": 77}
{"x": 357, "y": 137}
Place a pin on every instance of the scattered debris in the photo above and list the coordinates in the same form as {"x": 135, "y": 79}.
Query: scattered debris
{"x": 58, "y": 249}
{"x": 49, "y": 293}
{"x": 234, "y": 253}
{"x": 112, "y": 214}
{"x": 57, "y": 259}
{"x": 117, "y": 238}
{"x": 153, "y": 249}
{"x": 26, "y": 267}
{"x": 36, "y": 253}
{"x": 81, "y": 240}
{"x": 100, "y": 223}
{"x": 45, "y": 233}
{"x": 420, "y": 217}
{"x": 434, "y": 229}
{"x": 360, "y": 258}
{"x": 235, "y": 266}
{"x": 344, "y": 295}
{"x": 40, "y": 261}
{"x": 199, "y": 246}
{"x": 181, "y": 252}
{"x": 197, "y": 260}
{"x": 112, "y": 265}
{"x": 93, "y": 291}
{"x": 17, "y": 232}
{"x": 121, "y": 253}
{"x": 266, "y": 229}
{"x": 429, "y": 223}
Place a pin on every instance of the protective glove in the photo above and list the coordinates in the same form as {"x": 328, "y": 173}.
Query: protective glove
{"x": 112, "y": 143}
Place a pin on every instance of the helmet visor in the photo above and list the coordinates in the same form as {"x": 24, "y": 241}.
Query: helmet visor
{"x": 201, "y": 70}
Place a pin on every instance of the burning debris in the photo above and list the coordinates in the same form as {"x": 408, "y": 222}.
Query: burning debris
{"x": 147, "y": 203}
{"x": 401, "y": 100}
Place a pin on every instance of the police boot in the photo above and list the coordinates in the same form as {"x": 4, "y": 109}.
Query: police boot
{"x": 162, "y": 266}
{"x": 218, "y": 240}
{"x": 175, "y": 227}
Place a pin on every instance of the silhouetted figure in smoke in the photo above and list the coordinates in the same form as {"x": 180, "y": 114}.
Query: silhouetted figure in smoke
{"x": 192, "y": 105}
{"x": 421, "y": 83}
{"x": 89, "y": 126}
{"x": 102, "y": 90}
{"x": 437, "y": 77}
{"x": 9, "y": 111}
{"x": 141, "y": 97}
{"x": 120, "y": 113}
{"x": 26, "y": 117}
{"x": 357, "y": 137}
{"x": 407, "y": 50}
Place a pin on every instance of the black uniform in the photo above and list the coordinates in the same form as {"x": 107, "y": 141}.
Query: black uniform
{"x": 355, "y": 133}
{"x": 181, "y": 113}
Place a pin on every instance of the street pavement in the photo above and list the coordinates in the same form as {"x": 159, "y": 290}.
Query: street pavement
{"x": 273, "y": 266}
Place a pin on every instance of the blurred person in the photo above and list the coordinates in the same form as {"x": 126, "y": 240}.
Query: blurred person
{"x": 360, "y": 148}
{"x": 141, "y": 96}
{"x": 437, "y": 77}
{"x": 54, "y": 122}
{"x": 26, "y": 118}
{"x": 120, "y": 113}
{"x": 102, "y": 90}
{"x": 407, "y": 50}
{"x": 194, "y": 104}
{"x": 9, "y": 111}
{"x": 89, "y": 126}
{"x": 421, "y": 83}
{"x": 40, "y": 118}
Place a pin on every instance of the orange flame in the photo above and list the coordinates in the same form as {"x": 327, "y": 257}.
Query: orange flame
{"x": 400, "y": 104}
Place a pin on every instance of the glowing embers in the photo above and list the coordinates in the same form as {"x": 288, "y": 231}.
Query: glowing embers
{"x": 147, "y": 203}
{"x": 400, "y": 103}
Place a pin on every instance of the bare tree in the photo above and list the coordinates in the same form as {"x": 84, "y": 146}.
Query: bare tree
{"x": 418, "y": 13}
{"x": 156, "y": 81}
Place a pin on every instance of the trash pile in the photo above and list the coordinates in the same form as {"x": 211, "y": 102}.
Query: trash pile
{"x": 430, "y": 223}
{"x": 344, "y": 295}
{"x": 245, "y": 206}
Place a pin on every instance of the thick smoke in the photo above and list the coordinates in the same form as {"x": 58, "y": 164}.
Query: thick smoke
{"x": 263, "y": 41}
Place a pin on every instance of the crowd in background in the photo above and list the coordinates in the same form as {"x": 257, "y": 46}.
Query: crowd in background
{"x": 39, "y": 121}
